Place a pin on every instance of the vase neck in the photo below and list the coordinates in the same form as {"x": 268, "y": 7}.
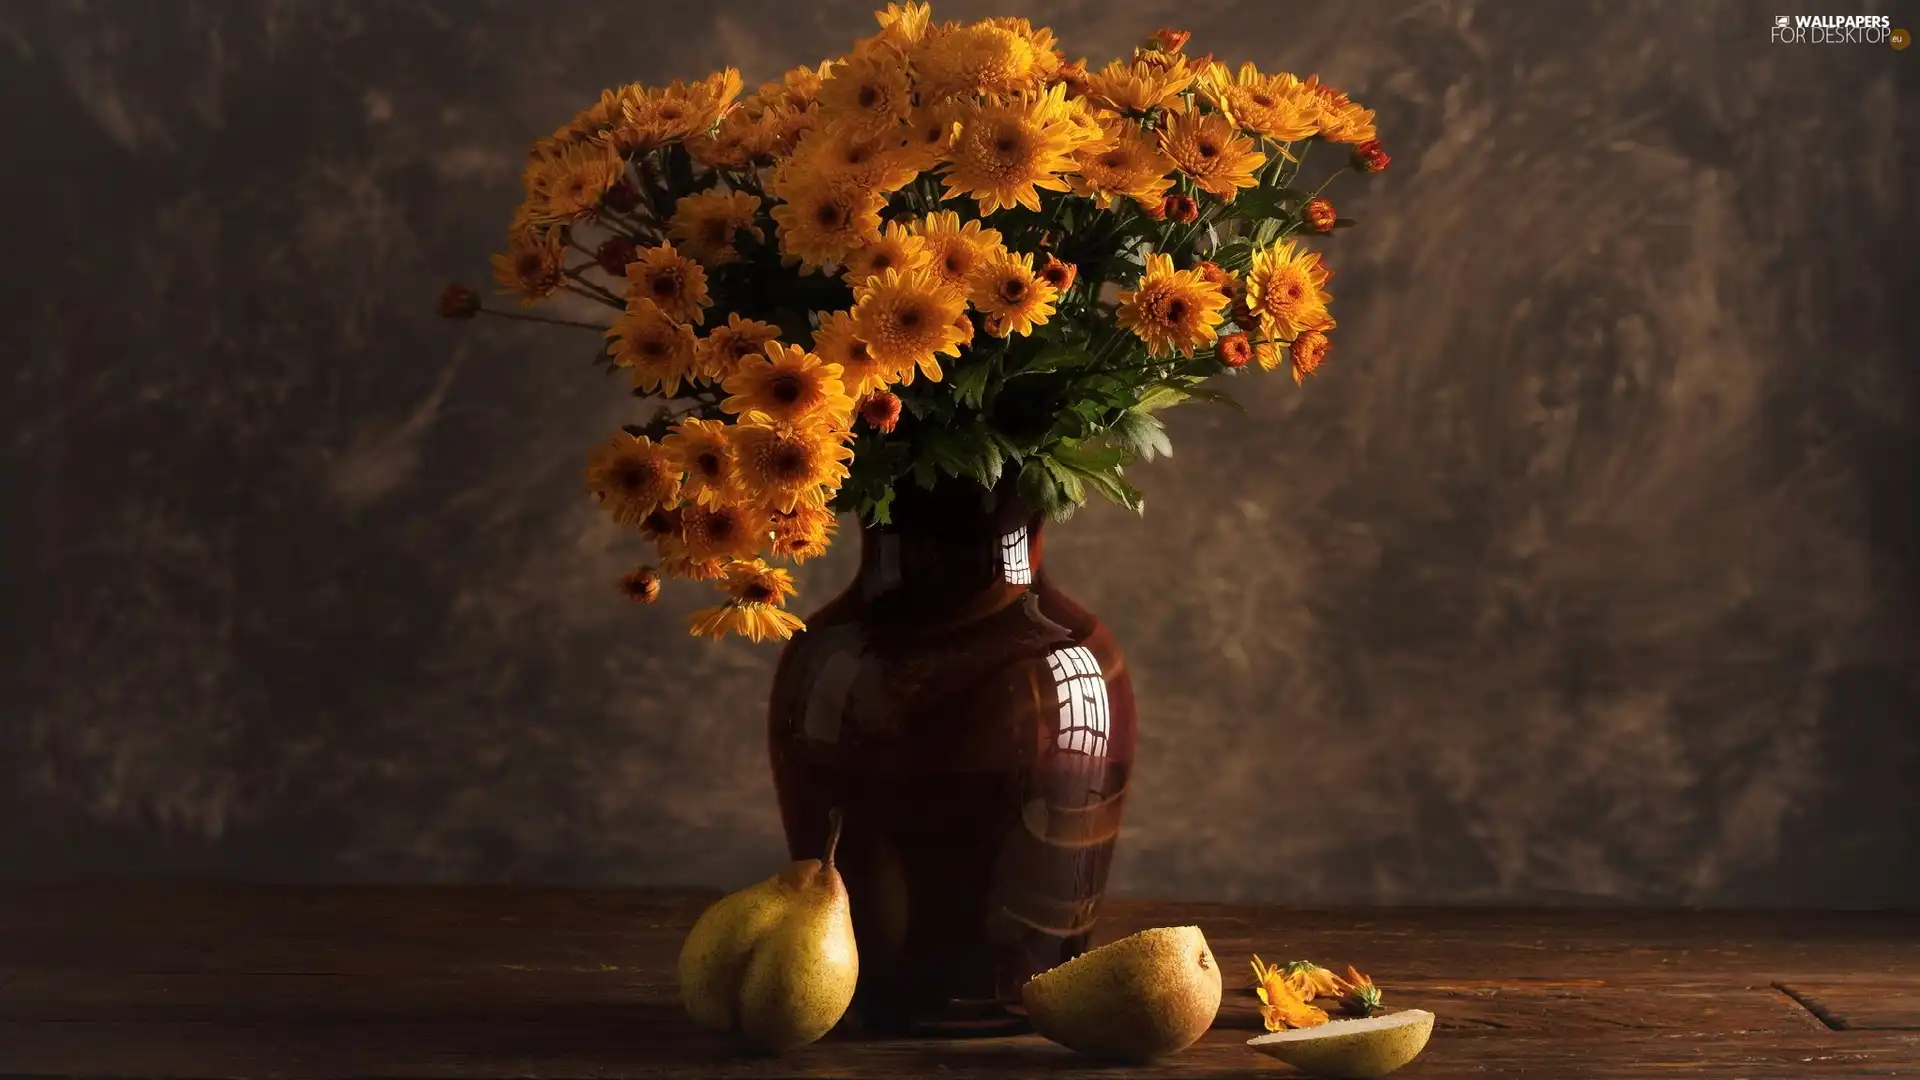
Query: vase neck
{"x": 949, "y": 545}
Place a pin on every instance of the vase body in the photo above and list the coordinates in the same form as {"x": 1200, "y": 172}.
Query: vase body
{"x": 976, "y": 729}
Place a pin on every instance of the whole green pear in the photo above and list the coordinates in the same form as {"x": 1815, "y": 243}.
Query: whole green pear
{"x": 774, "y": 964}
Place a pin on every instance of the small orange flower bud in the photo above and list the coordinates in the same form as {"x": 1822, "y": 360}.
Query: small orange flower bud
{"x": 1171, "y": 40}
{"x": 881, "y": 410}
{"x": 459, "y": 302}
{"x": 1214, "y": 274}
{"x": 964, "y": 322}
{"x": 1309, "y": 352}
{"x": 614, "y": 255}
{"x": 1059, "y": 274}
{"x": 641, "y": 585}
{"x": 1370, "y": 156}
{"x": 1180, "y": 208}
{"x": 1319, "y": 215}
{"x": 1235, "y": 350}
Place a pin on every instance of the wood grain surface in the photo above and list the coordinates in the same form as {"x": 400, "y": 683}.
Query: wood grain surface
{"x": 174, "y": 981}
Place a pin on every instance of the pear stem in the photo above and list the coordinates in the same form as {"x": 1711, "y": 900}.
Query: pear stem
{"x": 833, "y": 838}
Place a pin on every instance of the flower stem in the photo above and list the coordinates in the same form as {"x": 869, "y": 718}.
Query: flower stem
{"x": 549, "y": 320}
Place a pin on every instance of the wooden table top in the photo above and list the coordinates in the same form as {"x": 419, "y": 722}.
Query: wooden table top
{"x": 111, "y": 980}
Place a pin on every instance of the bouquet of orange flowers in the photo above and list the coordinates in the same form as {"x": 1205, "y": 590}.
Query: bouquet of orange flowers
{"x": 950, "y": 253}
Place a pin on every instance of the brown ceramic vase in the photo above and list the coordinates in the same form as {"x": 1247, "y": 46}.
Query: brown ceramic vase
{"x": 977, "y": 729}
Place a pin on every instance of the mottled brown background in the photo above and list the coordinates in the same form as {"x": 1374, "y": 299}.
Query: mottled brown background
{"x": 1586, "y": 574}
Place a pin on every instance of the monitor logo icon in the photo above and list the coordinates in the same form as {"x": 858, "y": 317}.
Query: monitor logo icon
{"x": 1783, "y": 20}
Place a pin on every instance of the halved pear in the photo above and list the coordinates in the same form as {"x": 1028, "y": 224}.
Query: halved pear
{"x": 1351, "y": 1049}
{"x": 1137, "y": 998}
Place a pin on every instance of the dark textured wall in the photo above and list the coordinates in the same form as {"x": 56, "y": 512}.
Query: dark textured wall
{"x": 1585, "y": 574}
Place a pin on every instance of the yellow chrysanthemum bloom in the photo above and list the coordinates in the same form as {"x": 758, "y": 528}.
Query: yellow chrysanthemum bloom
{"x": 1138, "y": 87}
{"x": 1013, "y": 297}
{"x": 1276, "y": 106}
{"x": 1338, "y": 118}
{"x": 533, "y": 266}
{"x": 908, "y": 320}
{"x": 723, "y": 531}
{"x": 1172, "y": 311}
{"x": 755, "y": 622}
{"x": 868, "y": 96}
{"x": 820, "y": 221}
{"x": 632, "y": 476}
{"x": 803, "y": 533}
{"x": 836, "y": 343}
{"x": 752, "y": 581}
{"x": 785, "y": 466}
{"x": 1286, "y": 290}
{"x": 681, "y": 109}
{"x": 954, "y": 249}
{"x": 1006, "y": 152}
{"x": 1280, "y": 1007}
{"x": 928, "y": 137}
{"x": 832, "y": 154}
{"x": 1127, "y": 167}
{"x": 664, "y": 277}
{"x": 705, "y": 225}
{"x": 1046, "y": 51}
{"x": 897, "y": 249}
{"x": 701, "y": 450}
{"x": 727, "y": 346}
{"x": 904, "y": 25}
{"x": 565, "y": 181}
{"x": 967, "y": 61}
{"x": 1211, "y": 150}
{"x": 787, "y": 384}
{"x": 657, "y": 351}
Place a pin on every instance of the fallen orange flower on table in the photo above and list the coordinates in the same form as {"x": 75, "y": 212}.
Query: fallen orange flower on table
{"x": 1280, "y": 1006}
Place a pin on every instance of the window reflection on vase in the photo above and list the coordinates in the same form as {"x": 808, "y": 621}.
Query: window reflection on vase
{"x": 1084, "y": 712}
{"x": 1015, "y": 562}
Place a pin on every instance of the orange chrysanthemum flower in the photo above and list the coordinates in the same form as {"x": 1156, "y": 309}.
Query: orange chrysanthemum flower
{"x": 955, "y": 249}
{"x": 1308, "y": 352}
{"x": 641, "y": 585}
{"x": 1127, "y": 166}
{"x": 702, "y": 450}
{"x": 975, "y": 60}
{"x": 789, "y": 465}
{"x": 1172, "y": 311}
{"x": 869, "y": 95}
{"x": 728, "y": 346}
{"x": 1234, "y": 350}
{"x": 1137, "y": 87}
{"x": 723, "y": 531}
{"x": 1008, "y": 152}
{"x": 908, "y": 321}
{"x": 787, "y": 383}
{"x": 1279, "y": 107}
{"x": 755, "y": 622}
{"x": 836, "y": 342}
{"x": 821, "y": 221}
{"x": 1286, "y": 290}
{"x": 803, "y": 532}
{"x": 658, "y": 352}
{"x": 533, "y": 266}
{"x": 1013, "y": 297}
{"x": 676, "y": 284}
{"x": 1208, "y": 148}
{"x": 707, "y": 225}
{"x": 632, "y": 476}
{"x": 896, "y": 249}
{"x": 880, "y": 411}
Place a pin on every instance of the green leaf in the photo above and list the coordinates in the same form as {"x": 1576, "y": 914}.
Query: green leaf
{"x": 1163, "y": 395}
{"x": 1053, "y": 358}
{"x": 1218, "y": 397}
{"x": 1089, "y": 457}
{"x": 970, "y": 384}
{"x": 1141, "y": 435}
{"x": 1040, "y": 489}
